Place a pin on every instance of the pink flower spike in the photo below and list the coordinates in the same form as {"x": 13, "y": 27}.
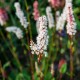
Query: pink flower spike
{"x": 35, "y": 4}
{"x": 35, "y": 10}
{"x": 55, "y": 3}
{"x": 3, "y": 16}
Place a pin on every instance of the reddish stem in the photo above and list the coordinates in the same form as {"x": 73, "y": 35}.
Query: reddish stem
{"x": 60, "y": 76}
{"x": 71, "y": 59}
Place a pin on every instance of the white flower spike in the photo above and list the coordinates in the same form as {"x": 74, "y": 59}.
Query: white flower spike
{"x": 61, "y": 20}
{"x": 17, "y": 31}
{"x": 42, "y": 38}
{"x": 20, "y": 15}
{"x": 50, "y": 17}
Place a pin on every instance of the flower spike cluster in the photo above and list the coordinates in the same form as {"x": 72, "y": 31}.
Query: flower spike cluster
{"x": 71, "y": 24}
{"x": 61, "y": 20}
{"x": 68, "y": 16}
{"x": 17, "y": 31}
{"x": 42, "y": 38}
{"x": 20, "y": 15}
{"x": 50, "y": 17}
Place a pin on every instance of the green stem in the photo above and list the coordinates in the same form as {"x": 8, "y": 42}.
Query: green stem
{"x": 28, "y": 16}
{"x": 12, "y": 52}
{"x": 2, "y": 71}
{"x": 71, "y": 59}
{"x": 29, "y": 27}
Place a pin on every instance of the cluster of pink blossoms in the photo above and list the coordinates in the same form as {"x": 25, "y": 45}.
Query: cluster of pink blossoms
{"x": 3, "y": 16}
{"x": 54, "y": 3}
{"x": 35, "y": 10}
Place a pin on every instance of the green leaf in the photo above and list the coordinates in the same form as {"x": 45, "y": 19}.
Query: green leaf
{"x": 68, "y": 44}
{"x": 22, "y": 76}
{"x": 53, "y": 79}
{"x": 6, "y": 65}
{"x": 63, "y": 68}
{"x": 48, "y": 76}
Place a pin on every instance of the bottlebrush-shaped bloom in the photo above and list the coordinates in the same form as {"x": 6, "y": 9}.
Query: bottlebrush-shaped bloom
{"x": 61, "y": 20}
{"x": 35, "y": 4}
{"x": 57, "y": 15}
{"x": 20, "y": 15}
{"x": 35, "y": 10}
{"x": 50, "y": 17}
{"x": 68, "y": 16}
{"x": 17, "y": 31}
{"x": 42, "y": 38}
{"x": 3, "y": 16}
{"x": 71, "y": 24}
